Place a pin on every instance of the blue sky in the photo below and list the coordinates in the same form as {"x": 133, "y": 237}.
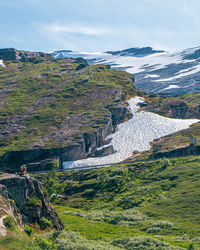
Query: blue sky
{"x": 99, "y": 25}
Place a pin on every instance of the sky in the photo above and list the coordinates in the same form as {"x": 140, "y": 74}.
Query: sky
{"x": 99, "y": 25}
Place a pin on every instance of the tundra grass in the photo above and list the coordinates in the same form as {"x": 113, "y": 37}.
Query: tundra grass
{"x": 164, "y": 191}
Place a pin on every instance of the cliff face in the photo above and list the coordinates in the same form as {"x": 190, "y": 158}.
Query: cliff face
{"x": 29, "y": 204}
{"x": 7, "y": 209}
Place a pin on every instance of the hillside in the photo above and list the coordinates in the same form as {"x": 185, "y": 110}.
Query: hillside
{"x": 51, "y": 104}
{"x": 143, "y": 205}
{"x": 67, "y": 110}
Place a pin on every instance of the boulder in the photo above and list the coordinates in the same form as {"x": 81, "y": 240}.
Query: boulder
{"x": 29, "y": 199}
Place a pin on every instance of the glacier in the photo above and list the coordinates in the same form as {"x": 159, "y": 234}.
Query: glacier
{"x": 135, "y": 135}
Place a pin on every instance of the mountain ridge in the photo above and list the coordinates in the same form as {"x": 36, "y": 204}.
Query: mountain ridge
{"x": 155, "y": 72}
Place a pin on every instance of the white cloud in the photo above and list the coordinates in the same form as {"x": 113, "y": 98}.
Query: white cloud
{"x": 73, "y": 29}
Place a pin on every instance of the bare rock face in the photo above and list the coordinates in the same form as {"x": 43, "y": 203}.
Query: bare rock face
{"x": 7, "y": 209}
{"x": 119, "y": 112}
{"x": 23, "y": 190}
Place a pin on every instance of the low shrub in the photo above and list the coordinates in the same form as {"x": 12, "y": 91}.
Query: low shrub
{"x": 142, "y": 243}
{"x": 153, "y": 230}
{"x": 28, "y": 230}
{"x": 9, "y": 222}
{"x": 44, "y": 223}
{"x": 34, "y": 202}
{"x": 113, "y": 217}
{"x": 70, "y": 240}
{"x": 162, "y": 224}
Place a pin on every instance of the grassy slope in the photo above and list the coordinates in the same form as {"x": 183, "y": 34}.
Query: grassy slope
{"x": 159, "y": 190}
{"x": 162, "y": 191}
{"x": 152, "y": 201}
{"x": 40, "y": 96}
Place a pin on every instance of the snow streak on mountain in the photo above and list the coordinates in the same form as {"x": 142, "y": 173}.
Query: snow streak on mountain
{"x": 155, "y": 71}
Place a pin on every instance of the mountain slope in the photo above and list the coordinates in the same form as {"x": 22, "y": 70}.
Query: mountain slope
{"x": 134, "y": 205}
{"x": 154, "y": 71}
{"x": 68, "y": 110}
{"x": 60, "y": 107}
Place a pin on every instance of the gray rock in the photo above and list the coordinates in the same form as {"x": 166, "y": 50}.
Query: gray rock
{"x": 21, "y": 190}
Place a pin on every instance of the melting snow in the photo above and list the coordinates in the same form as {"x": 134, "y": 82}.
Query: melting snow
{"x": 135, "y": 135}
{"x": 171, "y": 87}
{"x": 152, "y": 76}
{"x": 1, "y": 63}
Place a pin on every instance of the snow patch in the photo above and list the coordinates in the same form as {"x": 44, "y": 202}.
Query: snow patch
{"x": 172, "y": 87}
{"x": 151, "y": 76}
{"x": 135, "y": 135}
{"x": 2, "y": 63}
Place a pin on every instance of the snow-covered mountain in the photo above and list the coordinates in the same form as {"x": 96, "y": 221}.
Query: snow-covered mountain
{"x": 155, "y": 71}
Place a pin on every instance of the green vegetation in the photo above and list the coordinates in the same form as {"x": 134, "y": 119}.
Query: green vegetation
{"x": 34, "y": 202}
{"x": 40, "y": 98}
{"x": 52, "y": 184}
{"x": 28, "y": 230}
{"x": 16, "y": 243}
{"x": 9, "y": 223}
{"x": 141, "y": 205}
{"x": 131, "y": 206}
{"x": 44, "y": 223}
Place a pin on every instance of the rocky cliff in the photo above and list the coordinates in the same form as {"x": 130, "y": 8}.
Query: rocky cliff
{"x": 22, "y": 199}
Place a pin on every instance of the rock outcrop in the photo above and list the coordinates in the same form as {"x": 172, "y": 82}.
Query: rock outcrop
{"x": 28, "y": 201}
{"x": 180, "y": 109}
{"x": 20, "y": 55}
{"x": 174, "y": 109}
{"x": 180, "y": 152}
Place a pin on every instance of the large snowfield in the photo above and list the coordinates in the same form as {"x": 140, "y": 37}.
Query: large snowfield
{"x": 135, "y": 135}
